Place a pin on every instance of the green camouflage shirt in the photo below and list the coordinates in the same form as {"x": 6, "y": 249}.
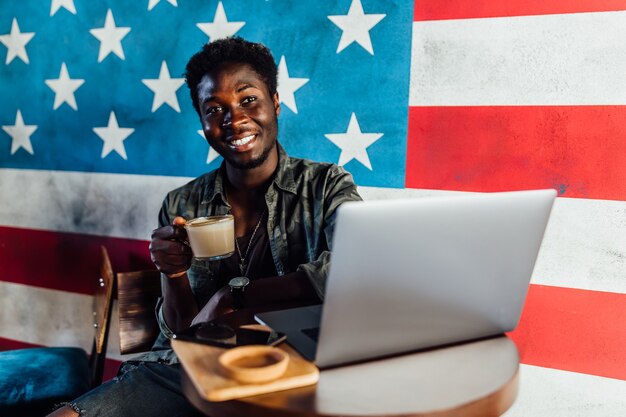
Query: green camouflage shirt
{"x": 301, "y": 201}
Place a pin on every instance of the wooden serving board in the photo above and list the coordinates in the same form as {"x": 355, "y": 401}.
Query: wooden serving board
{"x": 200, "y": 363}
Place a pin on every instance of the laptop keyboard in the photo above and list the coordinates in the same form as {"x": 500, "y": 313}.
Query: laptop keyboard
{"x": 313, "y": 333}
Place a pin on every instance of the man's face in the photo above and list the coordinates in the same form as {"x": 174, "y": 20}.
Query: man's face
{"x": 239, "y": 117}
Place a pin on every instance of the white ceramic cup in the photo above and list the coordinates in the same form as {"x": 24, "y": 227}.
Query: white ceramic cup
{"x": 211, "y": 238}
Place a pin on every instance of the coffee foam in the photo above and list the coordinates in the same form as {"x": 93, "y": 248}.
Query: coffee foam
{"x": 203, "y": 221}
{"x": 211, "y": 237}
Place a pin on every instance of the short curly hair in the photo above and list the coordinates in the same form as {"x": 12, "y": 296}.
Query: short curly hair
{"x": 233, "y": 49}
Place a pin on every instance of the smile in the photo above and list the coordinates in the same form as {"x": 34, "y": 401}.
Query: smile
{"x": 234, "y": 144}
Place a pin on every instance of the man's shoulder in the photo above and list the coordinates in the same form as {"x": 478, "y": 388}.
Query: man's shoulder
{"x": 197, "y": 187}
{"x": 319, "y": 179}
{"x": 307, "y": 167}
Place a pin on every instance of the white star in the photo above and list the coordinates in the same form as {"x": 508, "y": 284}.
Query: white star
{"x": 221, "y": 27}
{"x": 213, "y": 155}
{"x": 16, "y": 43}
{"x": 356, "y": 26}
{"x": 64, "y": 88}
{"x": 164, "y": 89}
{"x": 20, "y": 134}
{"x": 110, "y": 37}
{"x": 353, "y": 143}
{"x": 153, "y": 3}
{"x": 113, "y": 137}
{"x": 57, "y": 4}
{"x": 288, "y": 86}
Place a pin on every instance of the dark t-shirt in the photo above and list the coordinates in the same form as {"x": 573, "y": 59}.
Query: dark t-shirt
{"x": 259, "y": 262}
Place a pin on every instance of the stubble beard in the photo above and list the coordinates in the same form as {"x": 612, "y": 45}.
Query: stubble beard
{"x": 259, "y": 160}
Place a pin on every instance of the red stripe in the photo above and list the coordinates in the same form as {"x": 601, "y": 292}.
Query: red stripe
{"x": 578, "y": 150}
{"x": 466, "y": 9}
{"x": 110, "y": 365}
{"x": 10, "y": 344}
{"x": 574, "y": 330}
{"x": 64, "y": 261}
{"x": 560, "y": 328}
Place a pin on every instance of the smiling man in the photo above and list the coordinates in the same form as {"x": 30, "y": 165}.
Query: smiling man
{"x": 284, "y": 210}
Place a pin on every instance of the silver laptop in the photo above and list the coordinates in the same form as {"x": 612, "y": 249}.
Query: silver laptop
{"x": 418, "y": 273}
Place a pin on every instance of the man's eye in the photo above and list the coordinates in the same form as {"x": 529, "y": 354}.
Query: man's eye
{"x": 249, "y": 99}
{"x": 214, "y": 109}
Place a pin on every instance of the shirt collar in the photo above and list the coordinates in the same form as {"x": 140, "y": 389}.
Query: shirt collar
{"x": 283, "y": 178}
{"x": 284, "y": 174}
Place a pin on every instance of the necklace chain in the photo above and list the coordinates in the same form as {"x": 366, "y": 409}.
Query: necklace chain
{"x": 242, "y": 258}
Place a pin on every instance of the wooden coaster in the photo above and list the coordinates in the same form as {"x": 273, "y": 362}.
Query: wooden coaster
{"x": 253, "y": 364}
{"x": 201, "y": 364}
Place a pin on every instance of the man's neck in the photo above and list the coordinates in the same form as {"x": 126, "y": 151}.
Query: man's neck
{"x": 245, "y": 192}
{"x": 254, "y": 179}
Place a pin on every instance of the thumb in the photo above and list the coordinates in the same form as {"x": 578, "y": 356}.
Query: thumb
{"x": 179, "y": 221}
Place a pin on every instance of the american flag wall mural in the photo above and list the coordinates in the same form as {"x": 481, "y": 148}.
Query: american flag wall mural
{"x": 414, "y": 98}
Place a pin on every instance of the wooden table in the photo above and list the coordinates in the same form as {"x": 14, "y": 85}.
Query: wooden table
{"x": 470, "y": 380}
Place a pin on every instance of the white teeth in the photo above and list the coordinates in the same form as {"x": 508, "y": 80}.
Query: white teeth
{"x": 242, "y": 141}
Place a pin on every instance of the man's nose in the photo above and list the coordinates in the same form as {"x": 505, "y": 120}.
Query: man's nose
{"x": 234, "y": 117}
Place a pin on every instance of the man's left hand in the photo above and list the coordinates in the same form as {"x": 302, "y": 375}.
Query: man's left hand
{"x": 221, "y": 303}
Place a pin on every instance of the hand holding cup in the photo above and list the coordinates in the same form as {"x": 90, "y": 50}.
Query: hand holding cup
{"x": 169, "y": 250}
{"x": 205, "y": 238}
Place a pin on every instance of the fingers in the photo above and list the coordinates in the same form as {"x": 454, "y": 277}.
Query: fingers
{"x": 179, "y": 221}
{"x": 169, "y": 250}
{"x": 169, "y": 260}
{"x": 171, "y": 264}
{"x": 170, "y": 233}
{"x": 172, "y": 247}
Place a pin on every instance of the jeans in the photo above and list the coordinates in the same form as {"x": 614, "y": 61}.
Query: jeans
{"x": 141, "y": 389}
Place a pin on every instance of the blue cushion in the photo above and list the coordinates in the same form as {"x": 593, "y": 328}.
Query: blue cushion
{"x": 33, "y": 380}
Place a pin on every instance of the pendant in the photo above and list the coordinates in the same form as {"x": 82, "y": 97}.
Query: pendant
{"x": 242, "y": 267}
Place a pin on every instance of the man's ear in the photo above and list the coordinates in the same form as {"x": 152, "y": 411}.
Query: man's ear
{"x": 276, "y": 103}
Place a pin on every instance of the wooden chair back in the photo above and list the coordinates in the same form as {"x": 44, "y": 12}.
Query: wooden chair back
{"x": 137, "y": 294}
{"x": 102, "y": 309}
{"x": 33, "y": 380}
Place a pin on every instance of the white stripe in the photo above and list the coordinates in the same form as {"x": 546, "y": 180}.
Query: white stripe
{"x": 553, "y": 393}
{"x": 584, "y": 246}
{"x": 52, "y": 318}
{"x": 91, "y": 203}
{"x": 566, "y": 59}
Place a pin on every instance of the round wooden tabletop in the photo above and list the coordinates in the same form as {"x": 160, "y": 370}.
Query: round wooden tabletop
{"x": 472, "y": 379}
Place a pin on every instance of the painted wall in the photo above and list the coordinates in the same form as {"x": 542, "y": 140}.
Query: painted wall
{"x": 501, "y": 96}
